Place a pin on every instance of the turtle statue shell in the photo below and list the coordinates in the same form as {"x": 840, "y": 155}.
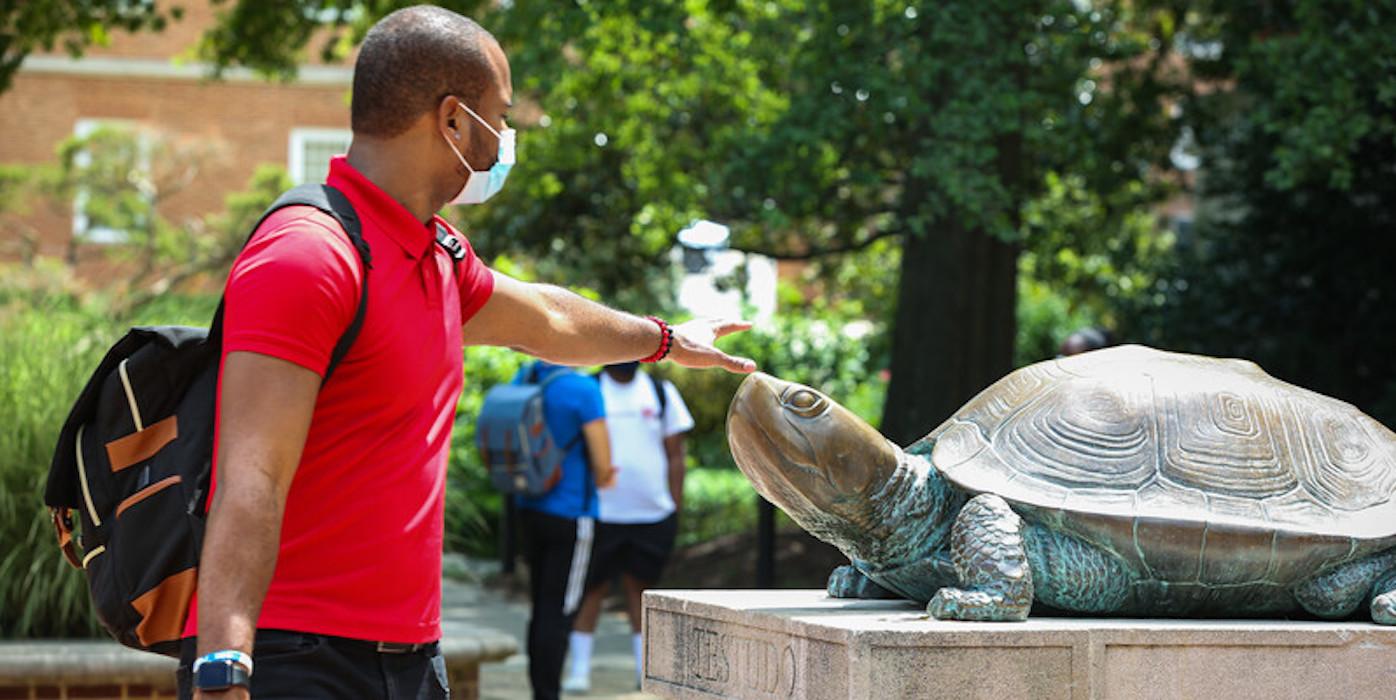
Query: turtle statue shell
{"x": 1121, "y": 442}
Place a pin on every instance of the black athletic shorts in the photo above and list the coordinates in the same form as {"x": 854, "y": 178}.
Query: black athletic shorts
{"x": 640, "y": 550}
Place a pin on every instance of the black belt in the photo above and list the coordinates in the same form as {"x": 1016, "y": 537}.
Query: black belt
{"x": 400, "y": 648}
{"x": 384, "y": 647}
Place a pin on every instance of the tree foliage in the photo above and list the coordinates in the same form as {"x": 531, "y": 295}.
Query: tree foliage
{"x": 811, "y": 127}
{"x": 74, "y": 25}
{"x": 817, "y": 128}
{"x": 1290, "y": 261}
{"x": 117, "y": 179}
{"x": 638, "y": 103}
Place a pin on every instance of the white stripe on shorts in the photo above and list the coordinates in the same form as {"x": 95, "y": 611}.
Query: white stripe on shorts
{"x": 581, "y": 559}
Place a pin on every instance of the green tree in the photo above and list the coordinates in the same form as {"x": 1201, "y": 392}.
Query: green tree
{"x": 819, "y": 128}
{"x": 937, "y": 125}
{"x": 1289, "y": 260}
{"x": 17, "y": 190}
{"x": 119, "y": 178}
{"x": 30, "y": 25}
{"x": 639, "y": 102}
{"x": 814, "y": 128}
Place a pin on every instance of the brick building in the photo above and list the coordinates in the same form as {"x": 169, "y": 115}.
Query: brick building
{"x": 147, "y": 81}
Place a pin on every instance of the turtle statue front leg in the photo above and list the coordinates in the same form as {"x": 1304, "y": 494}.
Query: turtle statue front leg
{"x": 1383, "y": 603}
{"x": 986, "y": 546}
{"x": 1338, "y": 592}
{"x": 848, "y": 582}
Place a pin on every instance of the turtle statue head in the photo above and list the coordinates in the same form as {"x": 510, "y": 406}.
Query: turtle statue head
{"x": 808, "y": 455}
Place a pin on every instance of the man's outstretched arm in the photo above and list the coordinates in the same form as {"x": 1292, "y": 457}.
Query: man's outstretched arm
{"x": 265, "y": 415}
{"x": 562, "y": 327}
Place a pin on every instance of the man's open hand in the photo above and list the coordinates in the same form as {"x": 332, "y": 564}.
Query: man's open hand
{"x": 694, "y": 345}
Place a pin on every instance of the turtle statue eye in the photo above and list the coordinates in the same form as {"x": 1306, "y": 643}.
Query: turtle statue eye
{"x": 805, "y": 402}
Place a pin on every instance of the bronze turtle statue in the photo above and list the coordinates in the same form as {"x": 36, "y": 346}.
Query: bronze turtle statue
{"x": 1127, "y": 481}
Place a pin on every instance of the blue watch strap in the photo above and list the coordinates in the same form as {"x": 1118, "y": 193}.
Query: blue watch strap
{"x": 232, "y": 655}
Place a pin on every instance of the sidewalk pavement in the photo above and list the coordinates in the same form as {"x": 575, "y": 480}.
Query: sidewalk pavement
{"x": 612, "y": 664}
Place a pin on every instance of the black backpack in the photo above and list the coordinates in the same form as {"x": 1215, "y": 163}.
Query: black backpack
{"x": 134, "y": 460}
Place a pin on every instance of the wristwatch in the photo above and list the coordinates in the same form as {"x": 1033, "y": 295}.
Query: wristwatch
{"x": 222, "y": 670}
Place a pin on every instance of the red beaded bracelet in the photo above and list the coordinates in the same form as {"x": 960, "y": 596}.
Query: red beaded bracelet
{"x": 666, "y": 340}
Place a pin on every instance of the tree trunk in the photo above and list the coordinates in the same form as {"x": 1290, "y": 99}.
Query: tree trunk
{"x": 955, "y": 327}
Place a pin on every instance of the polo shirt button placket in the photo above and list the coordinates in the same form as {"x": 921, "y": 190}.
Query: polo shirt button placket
{"x": 429, "y": 273}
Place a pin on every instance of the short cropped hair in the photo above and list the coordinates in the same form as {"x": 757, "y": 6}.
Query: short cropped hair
{"x": 409, "y": 61}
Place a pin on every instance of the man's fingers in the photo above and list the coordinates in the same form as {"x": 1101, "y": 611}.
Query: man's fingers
{"x": 727, "y": 326}
{"x": 697, "y": 350}
{"x": 737, "y": 365}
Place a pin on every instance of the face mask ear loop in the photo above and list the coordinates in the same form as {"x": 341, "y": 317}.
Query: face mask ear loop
{"x": 459, "y": 157}
{"x": 472, "y": 113}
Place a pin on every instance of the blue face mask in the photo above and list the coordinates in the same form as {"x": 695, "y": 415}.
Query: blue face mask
{"x": 481, "y": 185}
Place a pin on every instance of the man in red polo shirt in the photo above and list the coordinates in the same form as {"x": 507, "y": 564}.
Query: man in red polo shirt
{"x": 320, "y": 574}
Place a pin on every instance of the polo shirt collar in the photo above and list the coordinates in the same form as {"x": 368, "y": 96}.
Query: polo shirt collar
{"x": 385, "y": 213}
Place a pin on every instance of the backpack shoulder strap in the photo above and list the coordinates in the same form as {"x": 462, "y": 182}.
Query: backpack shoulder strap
{"x": 450, "y": 243}
{"x": 543, "y": 386}
{"x": 659, "y": 393}
{"x": 580, "y": 437}
{"x": 333, "y": 202}
{"x": 557, "y": 374}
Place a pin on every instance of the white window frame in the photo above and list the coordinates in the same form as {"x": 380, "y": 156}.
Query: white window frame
{"x": 100, "y": 235}
{"x": 304, "y": 136}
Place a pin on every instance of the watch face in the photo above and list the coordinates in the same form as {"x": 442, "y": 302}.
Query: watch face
{"x": 219, "y": 675}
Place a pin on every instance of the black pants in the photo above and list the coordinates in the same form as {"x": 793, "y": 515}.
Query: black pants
{"x": 319, "y": 667}
{"x": 558, "y": 551}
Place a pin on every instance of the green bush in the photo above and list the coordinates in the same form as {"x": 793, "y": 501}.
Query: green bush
{"x": 718, "y": 499}
{"x": 472, "y": 503}
{"x": 813, "y": 351}
{"x": 716, "y": 502}
{"x": 1045, "y": 318}
{"x": 50, "y": 342}
{"x": 46, "y": 353}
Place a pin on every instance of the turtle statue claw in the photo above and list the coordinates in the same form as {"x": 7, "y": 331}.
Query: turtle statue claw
{"x": 1127, "y": 481}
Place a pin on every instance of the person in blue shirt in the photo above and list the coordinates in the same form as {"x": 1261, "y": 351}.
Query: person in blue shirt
{"x": 558, "y": 526}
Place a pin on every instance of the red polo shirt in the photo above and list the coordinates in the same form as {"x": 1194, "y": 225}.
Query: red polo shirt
{"x": 361, "y": 540}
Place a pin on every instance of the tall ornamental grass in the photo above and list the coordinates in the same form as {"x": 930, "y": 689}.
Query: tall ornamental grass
{"x": 46, "y": 355}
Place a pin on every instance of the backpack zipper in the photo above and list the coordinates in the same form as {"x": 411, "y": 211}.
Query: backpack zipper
{"x": 130, "y": 395}
{"x": 82, "y": 479}
{"x": 92, "y": 555}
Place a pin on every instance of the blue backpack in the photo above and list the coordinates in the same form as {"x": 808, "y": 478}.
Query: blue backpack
{"x": 513, "y": 437}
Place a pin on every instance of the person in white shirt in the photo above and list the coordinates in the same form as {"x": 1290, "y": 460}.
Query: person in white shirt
{"x": 646, "y": 419}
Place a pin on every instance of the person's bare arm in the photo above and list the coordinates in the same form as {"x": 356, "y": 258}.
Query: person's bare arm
{"x": 674, "y": 451}
{"x": 564, "y": 328}
{"x": 265, "y": 415}
{"x": 599, "y": 449}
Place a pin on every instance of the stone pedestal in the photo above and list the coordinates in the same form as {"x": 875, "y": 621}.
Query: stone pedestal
{"x": 802, "y": 644}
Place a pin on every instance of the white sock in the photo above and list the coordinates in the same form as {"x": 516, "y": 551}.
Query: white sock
{"x": 579, "y": 645}
{"x": 637, "y": 644}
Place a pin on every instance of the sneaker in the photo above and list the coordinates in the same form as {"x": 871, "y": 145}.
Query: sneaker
{"x": 577, "y": 685}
